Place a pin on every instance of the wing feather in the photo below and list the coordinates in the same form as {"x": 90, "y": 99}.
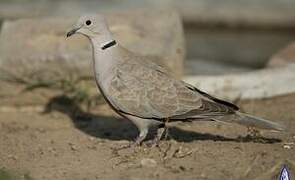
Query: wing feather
{"x": 145, "y": 90}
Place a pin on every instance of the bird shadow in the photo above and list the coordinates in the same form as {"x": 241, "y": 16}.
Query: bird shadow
{"x": 111, "y": 128}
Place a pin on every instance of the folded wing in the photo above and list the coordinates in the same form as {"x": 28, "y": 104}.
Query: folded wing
{"x": 144, "y": 89}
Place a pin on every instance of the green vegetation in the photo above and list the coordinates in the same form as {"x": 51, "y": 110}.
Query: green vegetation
{"x": 9, "y": 175}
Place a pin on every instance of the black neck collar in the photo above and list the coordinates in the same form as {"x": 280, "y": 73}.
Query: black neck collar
{"x": 108, "y": 45}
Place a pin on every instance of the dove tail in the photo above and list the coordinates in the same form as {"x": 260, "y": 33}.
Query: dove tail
{"x": 253, "y": 121}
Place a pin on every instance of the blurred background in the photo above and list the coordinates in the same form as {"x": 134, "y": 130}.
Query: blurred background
{"x": 228, "y": 32}
{"x": 55, "y": 125}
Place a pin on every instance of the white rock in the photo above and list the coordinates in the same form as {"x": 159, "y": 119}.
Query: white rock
{"x": 147, "y": 162}
{"x": 287, "y": 146}
{"x": 263, "y": 83}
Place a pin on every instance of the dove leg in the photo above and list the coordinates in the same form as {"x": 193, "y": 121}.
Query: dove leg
{"x": 142, "y": 135}
{"x": 155, "y": 142}
{"x": 143, "y": 126}
{"x": 161, "y": 132}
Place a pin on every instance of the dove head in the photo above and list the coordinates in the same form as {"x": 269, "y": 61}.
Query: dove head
{"x": 91, "y": 26}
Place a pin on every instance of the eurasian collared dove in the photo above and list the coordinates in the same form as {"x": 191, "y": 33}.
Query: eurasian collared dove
{"x": 144, "y": 92}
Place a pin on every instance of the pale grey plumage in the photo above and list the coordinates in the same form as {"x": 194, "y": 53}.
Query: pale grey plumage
{"x": 143, "y": 89}
{"x": 144, "y": 92}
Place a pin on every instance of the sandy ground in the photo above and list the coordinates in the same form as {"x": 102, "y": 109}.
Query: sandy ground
{"x": 65, "y": 142}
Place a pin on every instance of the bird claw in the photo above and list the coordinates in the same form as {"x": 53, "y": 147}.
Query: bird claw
{"x": 162, "y": 133}
{"x": 153, "y": 143}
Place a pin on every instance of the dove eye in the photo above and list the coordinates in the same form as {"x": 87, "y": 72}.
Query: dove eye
{"x": 88, "y": 22}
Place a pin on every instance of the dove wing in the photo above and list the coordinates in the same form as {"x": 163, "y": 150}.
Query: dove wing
{"x": 143, "y": 89}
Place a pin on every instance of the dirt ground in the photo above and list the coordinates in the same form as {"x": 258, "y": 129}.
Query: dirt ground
{"x": 60, "y": 141}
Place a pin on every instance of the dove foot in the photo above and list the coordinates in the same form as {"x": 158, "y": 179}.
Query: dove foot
{"x": 140, "y": 138}
{"x": 161, "y": 133}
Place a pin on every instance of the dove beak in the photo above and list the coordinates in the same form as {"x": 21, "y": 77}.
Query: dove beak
{"x": 73, "y": 31}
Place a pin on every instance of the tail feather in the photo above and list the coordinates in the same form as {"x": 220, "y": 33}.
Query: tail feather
{"x": 253, "y": 121}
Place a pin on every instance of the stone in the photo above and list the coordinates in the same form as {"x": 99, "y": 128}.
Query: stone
{"x": 147, "y": 162}
{"x": 257, "y": 84}
{"x": 37, "y": 47}
{"x": 287, "y": 146}
{"x": 283, "y": 57}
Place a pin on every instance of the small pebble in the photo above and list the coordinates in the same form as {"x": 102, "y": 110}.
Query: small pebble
{"x": 146, "y": 162}
{"x": 73, "y": 147}
{"x": 287, "y": 146}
